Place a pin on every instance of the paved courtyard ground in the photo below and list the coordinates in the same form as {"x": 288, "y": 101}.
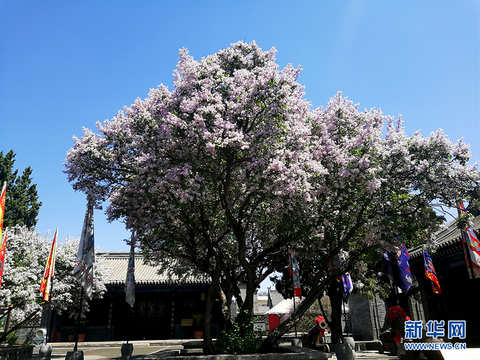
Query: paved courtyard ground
{"x": 146, "y": 350}
{"x": 106, "y": 352}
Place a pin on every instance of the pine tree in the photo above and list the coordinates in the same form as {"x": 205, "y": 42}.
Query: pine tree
{"x": 22, "y": 205}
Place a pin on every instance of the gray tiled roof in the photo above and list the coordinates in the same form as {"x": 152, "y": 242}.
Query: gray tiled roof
{"x": 274, "y": 298}
{"x": 446, "y": 237}
{"x": 145, "y": 274}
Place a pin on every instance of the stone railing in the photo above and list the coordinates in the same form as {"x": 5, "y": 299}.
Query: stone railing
{"x": 16, "y": 352}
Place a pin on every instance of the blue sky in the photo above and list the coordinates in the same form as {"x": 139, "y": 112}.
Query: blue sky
{"x": 65, "y": 65}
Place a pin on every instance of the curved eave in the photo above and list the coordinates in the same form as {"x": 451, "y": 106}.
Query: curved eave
{"x": 447, "y": 240}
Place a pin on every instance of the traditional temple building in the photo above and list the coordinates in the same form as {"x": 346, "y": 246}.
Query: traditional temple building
{"x": 459, "y": 292}
{"x": 164, "y": 308}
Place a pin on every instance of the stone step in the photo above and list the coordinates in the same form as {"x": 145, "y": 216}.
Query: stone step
{"x": 191, "y": 352}
{"x": 193, "y": 344}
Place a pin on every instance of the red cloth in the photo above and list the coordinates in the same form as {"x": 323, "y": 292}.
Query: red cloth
{"x": 317, "y": 321}
{"x": 393, "y": 313}
{"x": 398, "y": 337}
{"x": 273, "y": 320}
{"x": 396, "y": 312}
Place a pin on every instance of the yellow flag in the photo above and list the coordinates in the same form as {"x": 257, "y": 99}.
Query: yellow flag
{"x": 46, "y": 285}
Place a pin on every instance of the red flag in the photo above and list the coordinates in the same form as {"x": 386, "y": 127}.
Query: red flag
{"x": 2, "y": 206}
{"x": 471, "y": 248}
{"x": 430, "y": 272}
{"x": 2, "y": 257}
{"x": 46, "y": 285}
{"x": 4, "y": 242}
{"x": 295, "y": 275}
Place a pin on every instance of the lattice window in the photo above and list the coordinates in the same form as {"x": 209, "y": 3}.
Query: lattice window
{"x": 161, "y": 308}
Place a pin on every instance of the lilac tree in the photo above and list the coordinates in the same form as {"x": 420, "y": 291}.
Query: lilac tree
{"x": 232, "y": 168}
{"x": 25, "y": 258}
{"x": 200, "y": 172}
{"x": 375, "y": 191}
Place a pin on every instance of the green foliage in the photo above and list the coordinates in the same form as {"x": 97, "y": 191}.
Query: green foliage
{"x": 83, "y": 325}
{"x": 368, "y": 275}
{"x": 241, "y": 339}
{"x": 376, "y": 286}
{"x": 198, "y": 319}
{"x": 12, "y": 338}
{"x": 21, "y": 205}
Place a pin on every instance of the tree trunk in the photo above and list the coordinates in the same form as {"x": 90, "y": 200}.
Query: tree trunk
{"x": 247, "y": 268}
{"x": 250, "y": 292}
{"x": 208, "y": 347}
{"x": 228, "y": 285}
{"x": 335, "y": 294}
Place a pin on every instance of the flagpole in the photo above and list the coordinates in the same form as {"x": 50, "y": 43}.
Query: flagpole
{"x": 50, "y": 315}
{"x": 49, "y": 323}
{"x": 49, "y": 320}
{"x": 83, "y": 270}
{"x": 395, "y": 288}
{"x": 127, "y": 349}
{"x": 292, "y": 276}
{"x": 294, "y": 298}
{"x": 46, "y": 285}
{"x": 3, "y": 246}
{"x": 466, "y": 247}
{"x": 80, "y": 306}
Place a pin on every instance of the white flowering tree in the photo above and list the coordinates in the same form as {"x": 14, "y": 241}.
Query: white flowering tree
{"x": 232, "y": 168}
{"x": 25, "y": 259}
{"x": 374, "y": 189}
{"x": 197, "y": 172}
